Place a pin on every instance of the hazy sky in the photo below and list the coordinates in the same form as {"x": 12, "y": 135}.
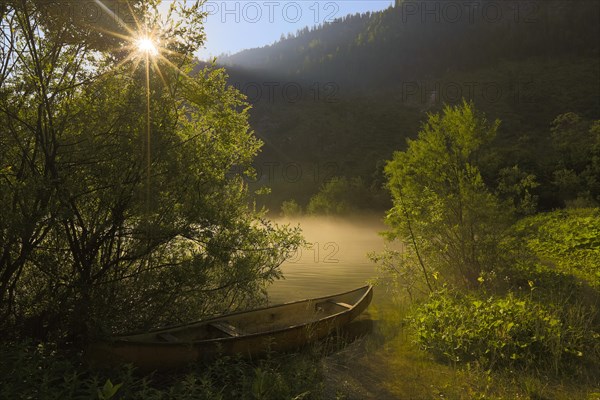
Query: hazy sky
{"x": 234, "y": 25}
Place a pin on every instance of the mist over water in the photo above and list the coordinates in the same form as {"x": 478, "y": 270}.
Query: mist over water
{"x": 336, "y": 259}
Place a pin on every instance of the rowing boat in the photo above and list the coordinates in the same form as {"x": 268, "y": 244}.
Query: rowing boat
{"x": 278, "y": 328}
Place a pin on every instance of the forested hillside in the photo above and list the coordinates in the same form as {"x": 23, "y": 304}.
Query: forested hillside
{"x": 421, "y": 39}
{"x": 349, "y": 92}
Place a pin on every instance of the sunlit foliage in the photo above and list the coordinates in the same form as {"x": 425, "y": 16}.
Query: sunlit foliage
{"x": 117, "y": 213}
{"x": 443, "y": 212}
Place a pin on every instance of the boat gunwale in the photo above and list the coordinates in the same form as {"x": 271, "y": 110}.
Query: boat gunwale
{"x": 123, "y": 339}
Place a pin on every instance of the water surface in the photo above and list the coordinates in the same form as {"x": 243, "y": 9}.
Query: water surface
{"x": 336, "y": 261}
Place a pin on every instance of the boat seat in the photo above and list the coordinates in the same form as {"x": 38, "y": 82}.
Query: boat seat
{"x": 326, "y": 305}
{"x": 227, "y": 328}
{"x": 339, "y": 303}
{"x": 167, "y": 337}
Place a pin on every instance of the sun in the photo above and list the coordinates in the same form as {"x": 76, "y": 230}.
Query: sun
{"x": 146, "y": 46}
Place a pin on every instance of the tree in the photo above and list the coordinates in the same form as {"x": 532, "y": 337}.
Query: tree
{"x": 120, "y": 213}
{"x": 575, "y": 166}
{"x": 442, "y": 211}
{"x": 340, "y": 196}
{"x": 515, "y": 187}
{"x": 291, "y": 209}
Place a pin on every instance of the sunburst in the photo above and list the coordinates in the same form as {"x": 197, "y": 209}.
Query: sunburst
{"x": 143, "y": 44}
{"x": 146, "y": 45}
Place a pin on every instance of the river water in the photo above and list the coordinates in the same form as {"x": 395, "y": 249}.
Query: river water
{"x": 335, "y": 261}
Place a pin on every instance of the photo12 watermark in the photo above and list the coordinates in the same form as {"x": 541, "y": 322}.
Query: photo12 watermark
{"x": 312, "y": 12}
{"x": 292, "y": 12}
{"x": 316, "y": 253}
{"x": 289, "y": 91}
{"x": 269, "y": 172}
{"x": 435, "y": 93}
{"x": 471, "y": 12}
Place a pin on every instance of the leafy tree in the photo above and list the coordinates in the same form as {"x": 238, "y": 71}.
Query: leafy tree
{"x": 570, "y": 139}
{"x": 290, "y": 208}
{"x": 576, "y": 171}
{"x": 516, "y": 187}
{"x": 442, "y": 211}
{"x": 339, "y": 196}
{"x": 120, "y": 207}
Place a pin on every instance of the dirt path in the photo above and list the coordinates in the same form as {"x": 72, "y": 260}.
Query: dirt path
{"x": 359, "y": 371}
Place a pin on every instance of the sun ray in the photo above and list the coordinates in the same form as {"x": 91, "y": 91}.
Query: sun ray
{"x": 176, "y": 68}
{"x": 115, "y": 16}
{"x": 155, "y": 67}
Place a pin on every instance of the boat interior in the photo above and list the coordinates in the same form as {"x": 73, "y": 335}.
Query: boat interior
{"x": 256, "y": 321}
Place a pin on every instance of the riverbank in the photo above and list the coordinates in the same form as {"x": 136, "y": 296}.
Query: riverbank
{"x": 384, "y": 364}
{"x": 379, "y": 357}
{"x": 387, "y": 364}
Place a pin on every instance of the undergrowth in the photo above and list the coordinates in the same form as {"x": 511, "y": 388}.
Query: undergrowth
{"x": 40, "y": 372}
{"x": 509, "y": 332}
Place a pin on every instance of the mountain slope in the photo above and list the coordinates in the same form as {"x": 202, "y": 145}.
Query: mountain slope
{"x": 349, "y": 93}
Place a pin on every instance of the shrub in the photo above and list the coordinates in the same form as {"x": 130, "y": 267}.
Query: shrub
{"x": 340, "y": 196}
{"x": 508, "y": 331}
{"x": 290, "y": 209}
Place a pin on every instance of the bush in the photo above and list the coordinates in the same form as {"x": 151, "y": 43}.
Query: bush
{"x": 340, "y": 196}
{"x": 508, "y": 331}
{"x": 291, "y": 209}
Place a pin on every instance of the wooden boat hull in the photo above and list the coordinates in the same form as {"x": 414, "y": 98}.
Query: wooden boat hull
{"x": 278, "y": 328}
